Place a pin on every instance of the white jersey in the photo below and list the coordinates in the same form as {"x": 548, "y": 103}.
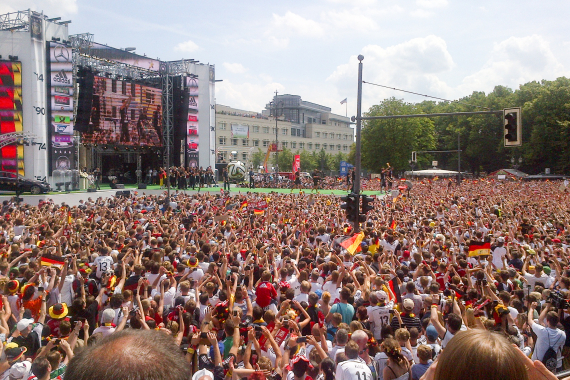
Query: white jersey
{"x": 353, "y": 369}
{"x": 103, "y": 263}
{"x": 380, "y": 317}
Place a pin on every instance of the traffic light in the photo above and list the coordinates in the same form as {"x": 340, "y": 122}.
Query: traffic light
{"x": 512, "y": 126}
{"x": 367, "y": 204}
{"x": 350, "y": 205}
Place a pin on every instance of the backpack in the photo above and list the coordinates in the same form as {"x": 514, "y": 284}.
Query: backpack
{"x": 550, "y": 358}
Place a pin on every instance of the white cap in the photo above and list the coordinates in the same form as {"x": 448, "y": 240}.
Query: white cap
{"x": 203, "y": 374}
{"x": 24, "y": 323}
{"x": 381, "y": 295}
{"x": 20, "y": 370}
{"x": 501, "y": 239}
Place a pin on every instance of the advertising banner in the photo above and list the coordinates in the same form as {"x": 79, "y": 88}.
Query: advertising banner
{"x": 240, "y": 131}
{"x": 11, "y": 115}
{"x": 192, "y": 139}
{"x": 61, "y": 147}
{"x": 296, "y": 163}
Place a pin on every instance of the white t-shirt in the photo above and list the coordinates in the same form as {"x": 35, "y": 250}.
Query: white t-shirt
{"x": 353, "y": 369}
{"x": 545, "y": 338}
{"x": 380, "y": 317}
{"x": 330, "y": 287}
{"x": 498, "y": 255}
{"x": 103, "y": 263}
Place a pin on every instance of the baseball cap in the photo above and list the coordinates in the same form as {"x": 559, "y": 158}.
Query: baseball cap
{"x": 431, "y": 332}
{"x": 501, "y": 239}
{"x": 20, "y": 370}
{"x": 547, "y": 270}
{"x": 13, "y": 354}
{"x": 381, "y": 295}
{"x": 299, "y": 358}
{"x": 201, "y": 373}
{"x": 24, "y": 323}
{"x": 408, "y": 304}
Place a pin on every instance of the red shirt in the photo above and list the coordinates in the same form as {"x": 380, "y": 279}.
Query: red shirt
{"x": 440, "y": 278}
{"x": 265, "y": 292}
{"x": 54, "y": 325}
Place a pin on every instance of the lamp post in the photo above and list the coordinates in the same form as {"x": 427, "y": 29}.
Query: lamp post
{"x": 276, "y": 105}
{"x": 413, "y": 165}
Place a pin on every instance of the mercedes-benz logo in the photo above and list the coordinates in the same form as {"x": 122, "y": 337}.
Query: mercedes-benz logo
{"x": 61, "y": 54}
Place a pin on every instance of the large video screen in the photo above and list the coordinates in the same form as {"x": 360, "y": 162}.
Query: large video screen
{"x": 11, "y": 156}
{"x": 192, "y": 145}
{"x": 124, "y": 113}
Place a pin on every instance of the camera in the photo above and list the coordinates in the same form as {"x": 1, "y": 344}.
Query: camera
{"x": 557, "y": 300}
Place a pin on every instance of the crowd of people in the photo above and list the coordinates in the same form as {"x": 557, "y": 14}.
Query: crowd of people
{"x": 447, "y": 282}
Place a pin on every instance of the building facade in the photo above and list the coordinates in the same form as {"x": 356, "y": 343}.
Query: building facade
{"x": 300, "y": 126}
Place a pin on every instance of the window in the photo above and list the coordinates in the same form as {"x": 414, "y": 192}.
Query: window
{"x": 273, "y": 130}
{"x": 222, "y": 126}
{"x": 244, "y": 156}
{"x": 284, "y": 144}
{"x": 301, "y": 145}
{"x": 256, "y": 129}
{"x": 310, "y": 145}
{"x": 124, "y": 88}
{"x": 294, "y": 145}
{"x": 224, "y": 155}
{"x": 317, "y": 134}
{"x": 284, "y": 131}
{"x": 222, "y": 140}
{"x": 317, "y": 146}
{"x": 346, "y": 137}
{"x": 345, "y": 147}
{"x": 245, "y": 142}
{"x": 265, "y": 129}
{"x": 325, "y": 135}
{"x": 338, "y": 136}
{"x": 332, "y": 136}
{"x": 265, "y": 143}
{"x": 255, "y": 142}
{"x": 114, "y": 85}
{"x": 234, "y": 141}
{"x": 338, "y": 147}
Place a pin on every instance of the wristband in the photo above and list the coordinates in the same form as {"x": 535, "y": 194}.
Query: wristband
{"x": 190, "y": 350}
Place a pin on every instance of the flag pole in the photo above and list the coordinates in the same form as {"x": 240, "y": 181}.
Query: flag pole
{"x": 346, "y": 105}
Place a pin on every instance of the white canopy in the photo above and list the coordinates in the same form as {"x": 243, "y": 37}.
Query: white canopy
{"x": 431, "y": 173}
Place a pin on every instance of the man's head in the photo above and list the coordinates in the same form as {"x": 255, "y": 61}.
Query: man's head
{"x": 351, "y": 349}
{"x": 361, "y": 338}
{"x": 144, "y": 355}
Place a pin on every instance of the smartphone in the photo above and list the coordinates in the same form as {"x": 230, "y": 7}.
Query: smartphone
{"x": 235, "y": 313}
{"x": 257, "y": 328}
{"x": 302, "y": 339}
{"x": 204, "y": 335}
{"x": 40, "y": 288}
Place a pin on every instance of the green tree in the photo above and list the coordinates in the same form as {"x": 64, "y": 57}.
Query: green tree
{"x": 285, "y": 158}
{"x": 308, "y": 162}
{"x": 257, "y": 158}
{"x": 393, "y": 140}
{"x": 351, "y": 154}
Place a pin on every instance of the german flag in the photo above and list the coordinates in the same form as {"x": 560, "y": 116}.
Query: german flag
{"x": 352, "y": 245}
{"x": 243, "y": 205}
{"x": 258, "y": 212}
{"x": 393, "y": 224}
{"x": 49, "y": 260}
{"x": 479, "y": 249}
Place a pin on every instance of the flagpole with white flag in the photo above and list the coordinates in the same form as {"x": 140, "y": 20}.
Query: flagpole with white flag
{"x": 345, "y": 101}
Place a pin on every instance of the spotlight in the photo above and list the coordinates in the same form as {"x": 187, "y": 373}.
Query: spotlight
{"x": 13, "y": 57}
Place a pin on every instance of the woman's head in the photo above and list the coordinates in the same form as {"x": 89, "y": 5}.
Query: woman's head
{"x": 470, "y": 354}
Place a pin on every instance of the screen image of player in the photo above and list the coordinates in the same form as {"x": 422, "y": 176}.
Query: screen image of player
{"x": 125, "y": 113}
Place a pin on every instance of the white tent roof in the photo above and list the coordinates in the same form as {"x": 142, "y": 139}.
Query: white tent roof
{"x": 431, "y": 173}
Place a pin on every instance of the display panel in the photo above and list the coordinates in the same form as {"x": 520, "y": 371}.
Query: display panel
{"x": 124, "y": 113}
{"x": 11, "y": 116}
{"x": 192, "y": 139}
{"x": 62, "y": 151}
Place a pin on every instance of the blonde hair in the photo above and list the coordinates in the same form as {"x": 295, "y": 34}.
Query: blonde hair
{"x": 470, "y": 355}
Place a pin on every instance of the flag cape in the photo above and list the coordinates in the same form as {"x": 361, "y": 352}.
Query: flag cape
{"x": 479, "y": 248}
{"x": 352, "y": 245}
{"x": 69, "y": 219}
{"x": 49, "y": 260}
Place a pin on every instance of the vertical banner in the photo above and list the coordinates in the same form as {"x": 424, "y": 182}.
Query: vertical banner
{"x": 296, "y": 163}
{"x": 192, "y": 142}
{"x": 36, "y": 28}
{"x": 11, "y": 115}
{"x": 62, "y": 153}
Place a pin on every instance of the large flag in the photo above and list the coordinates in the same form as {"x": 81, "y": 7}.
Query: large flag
{"x": 49, "y": 260}
{"x": 344, "y": 101}
{"x": 296, "y": 163}
{"x": 352, "y": 245}
{"x": 243, "y": 205}
{"x": 258, "y": 211}
{"x": 393, "y": 224}
{"x": 477, "y": 248}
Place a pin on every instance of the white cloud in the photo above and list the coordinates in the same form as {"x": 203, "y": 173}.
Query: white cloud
{"x": 422, "y": 13}
{"x": 354, "y": 19}
{"x": 187, "y": 47}
{"x": 413, "y": 65}
{"x": 513, "y": 62}
{"x": 231, "y": 94}
{"x": 432, "y": 3}
{"x": 52, "y": 8}
{"x": 235, "y": 68}
{"x": 298, "y": 24}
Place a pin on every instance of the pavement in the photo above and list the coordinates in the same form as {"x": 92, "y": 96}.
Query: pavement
{"x": 73, "y": 198}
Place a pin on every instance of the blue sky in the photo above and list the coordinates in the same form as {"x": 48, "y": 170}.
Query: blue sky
{"x": 442, "y": 48}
